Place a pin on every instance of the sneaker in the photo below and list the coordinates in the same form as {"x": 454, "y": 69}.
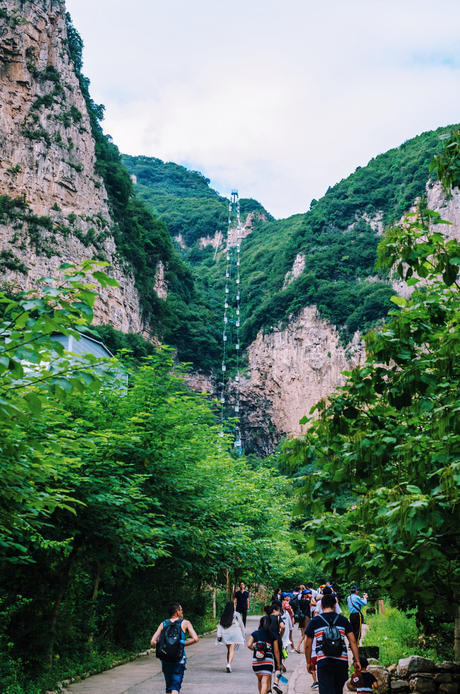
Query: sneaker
{"x": 315, "y": 685}
{"x": 277, "y": 689}
{"x": 228, "y": 667}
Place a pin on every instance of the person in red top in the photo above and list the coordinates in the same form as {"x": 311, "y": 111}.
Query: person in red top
{"x": 285, "y": 604}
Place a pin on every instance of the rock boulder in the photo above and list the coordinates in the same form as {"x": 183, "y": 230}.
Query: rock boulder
{"x": 412, "y": 665}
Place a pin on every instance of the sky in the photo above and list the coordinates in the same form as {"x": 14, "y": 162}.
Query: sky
{"x": 279, "y": 99}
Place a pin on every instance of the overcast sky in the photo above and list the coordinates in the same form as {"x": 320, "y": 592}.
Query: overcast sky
{"x": 279, "y": 99}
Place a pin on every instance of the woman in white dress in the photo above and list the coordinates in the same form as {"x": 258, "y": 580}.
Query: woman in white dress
{"x": 230, "y": 632}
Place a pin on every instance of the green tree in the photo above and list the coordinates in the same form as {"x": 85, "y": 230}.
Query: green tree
{"x": 380, "y": 462}
{"x": 33, "y": 368}
{"x": 447, "y": 163}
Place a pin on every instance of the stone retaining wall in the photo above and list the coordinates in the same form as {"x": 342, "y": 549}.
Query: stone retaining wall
{"x": 418, "y": 675}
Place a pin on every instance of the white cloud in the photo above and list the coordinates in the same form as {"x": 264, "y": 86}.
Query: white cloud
{"x": 278, "y": 99}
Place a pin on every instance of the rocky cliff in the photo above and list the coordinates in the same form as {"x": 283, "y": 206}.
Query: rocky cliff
{"x": 290, "y": 369}
{"x": 294, "y": 366}
{"x": 54, "y": 205}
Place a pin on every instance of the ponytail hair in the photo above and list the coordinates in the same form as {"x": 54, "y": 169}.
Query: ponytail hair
{"x": 265, "y": 623}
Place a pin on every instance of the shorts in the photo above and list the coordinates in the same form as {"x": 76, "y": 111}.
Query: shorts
{"x": 173, "y": 674}
{"x": 264, "y": 667}
{"x": 314, "y": 660}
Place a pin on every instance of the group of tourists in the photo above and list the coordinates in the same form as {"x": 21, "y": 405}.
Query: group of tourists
{"x": 322, "y": 633}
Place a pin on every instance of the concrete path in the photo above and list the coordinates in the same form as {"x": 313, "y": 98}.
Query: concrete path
{"x": 205, "y": 673}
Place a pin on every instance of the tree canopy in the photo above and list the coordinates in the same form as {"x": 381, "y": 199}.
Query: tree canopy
{"x": 379, "y": 466}
{"x": 117, "y": 493}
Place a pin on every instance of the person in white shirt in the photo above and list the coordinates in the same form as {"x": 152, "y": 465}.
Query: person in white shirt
{"x": 315, "y": 593}
{"x": 230, "y": 632}
{"x": 319, "y": 608}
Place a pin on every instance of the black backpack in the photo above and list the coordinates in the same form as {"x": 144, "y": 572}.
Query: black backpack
{"x": 294, "y": 603}
{"x": 332, "y": 641}
{"x": 260, "y": 650}
{"x": 170, "y": 645}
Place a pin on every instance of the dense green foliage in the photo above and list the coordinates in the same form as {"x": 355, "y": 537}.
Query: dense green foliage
{"x": 169, "y": 178}
{"x": 380, "y": 463}
{"x": 115, "y": 496}
{"x": 396, "y": 634}
{"x": 447, "y": 163}
{"x": 26, "y": 330}
{"x": 131, "y": 345}
{"x": 183, "y": 199}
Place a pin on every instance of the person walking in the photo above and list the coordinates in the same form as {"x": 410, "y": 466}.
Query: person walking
{"x": 286, "y": 605}
{"x": 330, "y": 629}
{"x": 319, "y": 604}
{"x": 266, "y": 655}
{"x": 304, "y": 616}
{"x": 277, "y": 624}
{"x": 314, "y": 593}
{"x": 355, "y": 603}
{"x": 241, "y": 601}
{"x": 276, "y": 595}
{"x": 366, "y": 682}
{"x": 230, "y": 632}
{"x": 170, "y": 641}
{"x": 288, "y": 618}
{"x": 288, "y": 627}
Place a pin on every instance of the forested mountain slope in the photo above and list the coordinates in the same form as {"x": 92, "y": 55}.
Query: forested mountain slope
{"x": 334, "y": 242}
{"x": 183, "y": 199}
{"x": 309, "y": 287}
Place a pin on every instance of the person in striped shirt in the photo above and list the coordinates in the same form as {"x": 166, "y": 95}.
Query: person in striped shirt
{"x": 332, "y": 670}
{"x": 365, "y": 681}
{"x": 266, "y": 654}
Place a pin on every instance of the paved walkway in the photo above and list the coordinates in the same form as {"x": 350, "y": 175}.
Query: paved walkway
{"x": 205, "y": 673}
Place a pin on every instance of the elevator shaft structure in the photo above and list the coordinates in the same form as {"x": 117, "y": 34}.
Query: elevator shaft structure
{"x": 232, "y": 321}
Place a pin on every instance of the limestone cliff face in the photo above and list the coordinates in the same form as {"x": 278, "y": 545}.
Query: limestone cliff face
{"x": 234, "y": 235}
{"x": 291, "y": 369}
{"x": 448, "y": 208}
{"x": 47, "y": 163}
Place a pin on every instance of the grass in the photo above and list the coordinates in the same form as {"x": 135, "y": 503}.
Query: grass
{"x": 397, "y": 636}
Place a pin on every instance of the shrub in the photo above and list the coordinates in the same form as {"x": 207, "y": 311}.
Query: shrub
{"x": 396, "y": 634}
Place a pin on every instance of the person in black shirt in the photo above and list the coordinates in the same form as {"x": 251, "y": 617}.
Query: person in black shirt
{"x": 277, "y": 627}
{"x": 304, "y": 613}
{"x": 264, "y": 662}
{"x": 241, "y": 601}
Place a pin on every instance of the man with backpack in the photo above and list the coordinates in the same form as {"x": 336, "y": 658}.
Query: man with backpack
{"x": 170, "y": 642}
{"x": 355, "y": 602}
{"x": 329, "y": 629}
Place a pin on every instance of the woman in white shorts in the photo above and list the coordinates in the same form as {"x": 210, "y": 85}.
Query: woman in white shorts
{"x": 230, "y": 632}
